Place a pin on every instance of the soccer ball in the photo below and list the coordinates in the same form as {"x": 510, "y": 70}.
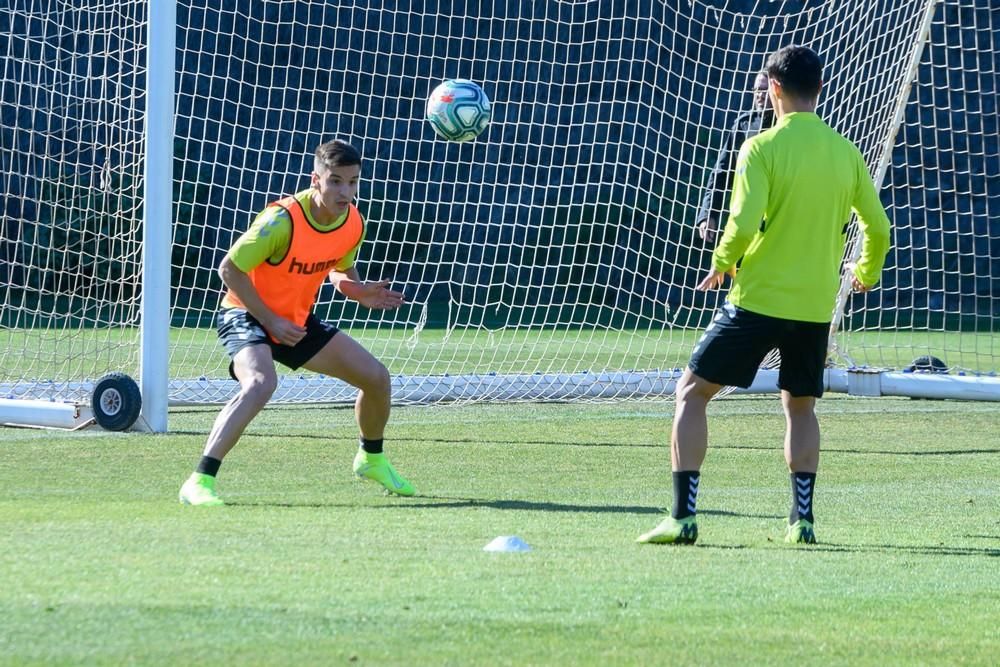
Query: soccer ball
{"x": 458, "y": 110}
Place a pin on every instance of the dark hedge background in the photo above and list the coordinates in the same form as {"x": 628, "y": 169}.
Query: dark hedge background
{"x": 580, "y": 196}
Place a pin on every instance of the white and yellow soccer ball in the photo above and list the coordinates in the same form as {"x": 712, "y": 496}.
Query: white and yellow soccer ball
{"x": 458, "y": 110}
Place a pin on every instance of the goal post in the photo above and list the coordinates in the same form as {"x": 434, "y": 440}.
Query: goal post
{"x": 154, "y": 367}
{"x": 853, "y": 249}
{"x": 936, "y": 312}
{"x": 553, "y": 258}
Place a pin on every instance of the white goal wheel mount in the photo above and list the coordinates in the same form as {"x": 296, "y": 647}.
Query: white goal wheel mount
{"x": 116, "y": 402}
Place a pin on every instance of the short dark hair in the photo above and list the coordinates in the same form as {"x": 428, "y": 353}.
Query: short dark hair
{"x": 798, "y": 69}
{"x": 336, "y": 153}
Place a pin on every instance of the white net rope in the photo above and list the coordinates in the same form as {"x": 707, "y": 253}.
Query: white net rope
{"x": 71, "y": 87}
{"x": 941, "y": 287}
{"x": 553, "y": 257}
{"x": 557, "y": 251}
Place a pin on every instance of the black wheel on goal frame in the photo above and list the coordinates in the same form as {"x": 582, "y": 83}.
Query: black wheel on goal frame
{"x": 116, "y": 402}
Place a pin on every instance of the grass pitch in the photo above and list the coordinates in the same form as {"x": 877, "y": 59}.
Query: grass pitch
{"x": 75, "y": 354}
{"x": 99, "y": 565}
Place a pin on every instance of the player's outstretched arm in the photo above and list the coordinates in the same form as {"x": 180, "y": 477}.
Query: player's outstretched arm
{"x": 875, "y": 231}
{"x": 749, "y": 202}
{"x": 375, "y": 295}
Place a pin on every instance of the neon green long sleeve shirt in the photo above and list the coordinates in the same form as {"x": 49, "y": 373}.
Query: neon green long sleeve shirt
{"x": 793, "y": 192}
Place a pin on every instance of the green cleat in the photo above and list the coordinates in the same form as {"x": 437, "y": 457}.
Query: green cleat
{"x": 672, "y": 531}
{"x": 199, "y": 490}
{"x": 378, "y": 469}
{"x": 801, "y": 532}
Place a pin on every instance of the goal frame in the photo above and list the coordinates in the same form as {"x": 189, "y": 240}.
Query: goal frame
{"x": 154, "y": 333}
{"x": 155, "y": 307}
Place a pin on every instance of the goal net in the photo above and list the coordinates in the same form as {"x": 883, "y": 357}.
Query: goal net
{"x": 553, "y": 257}
{"x": 71, "y": 146}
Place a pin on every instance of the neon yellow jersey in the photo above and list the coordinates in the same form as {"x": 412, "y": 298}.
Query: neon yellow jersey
{"x": 270, "y": 236}
{"x": 793, "y": 192}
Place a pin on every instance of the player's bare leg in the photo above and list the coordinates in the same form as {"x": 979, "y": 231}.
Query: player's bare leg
{"x": 254, "y": 368}
{"x": 802, "y": 455}
{"x": 689, "y": 434}
{"x": 688, "y": 444}
{"x": 344, "y": 358}
{"x": 801, "y": 433}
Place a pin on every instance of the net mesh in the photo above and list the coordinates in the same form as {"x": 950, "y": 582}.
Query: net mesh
{"x": 553, "y": 257}
{"x": 71, "y": 93}
{"x": 940, "y": 293}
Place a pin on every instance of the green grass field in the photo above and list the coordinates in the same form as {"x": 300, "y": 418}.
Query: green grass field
{"x": 99, "y": 565}
{"x": 60, "y": 355}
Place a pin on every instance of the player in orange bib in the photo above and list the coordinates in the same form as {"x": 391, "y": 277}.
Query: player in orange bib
{"x": 272, "y": 275}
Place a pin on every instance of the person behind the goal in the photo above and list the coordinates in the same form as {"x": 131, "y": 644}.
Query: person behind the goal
{"x": 802, "y": 179}
{"x": 273, "y": 274}
{"x": 748, "y": 124}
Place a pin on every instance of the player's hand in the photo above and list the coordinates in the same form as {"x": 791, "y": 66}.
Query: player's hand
{"x": 708, "y": 228}
{"x": 378, "y": 296}
{"x": 714, "y": 279}
{"x": 859, "y": 286}
{"x": 856, "y": 284}
{"x": 285, "y": 331}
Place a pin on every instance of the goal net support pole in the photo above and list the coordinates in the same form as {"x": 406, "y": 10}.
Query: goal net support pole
{"x": 158, "y": 213}
{"x": 854, "y": 247}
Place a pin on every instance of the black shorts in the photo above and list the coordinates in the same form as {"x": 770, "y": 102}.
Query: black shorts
{"x": 737, "y": 340}
{"x": 239, "y": 329}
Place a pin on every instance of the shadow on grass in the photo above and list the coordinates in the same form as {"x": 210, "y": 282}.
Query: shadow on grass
{"x": 868, "y": 452}
{"x": 451, "y": 502}
{"x": 664, "y": 445}
{"x": 441, "y": 441}
{"x": 919, "y": 549}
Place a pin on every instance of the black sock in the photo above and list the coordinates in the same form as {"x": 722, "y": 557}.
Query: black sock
{"x": 208, "y": 466}
{"x": 685, "y": 493}
{"x": 371, "y": 446}
{"x": 803, "y": 484}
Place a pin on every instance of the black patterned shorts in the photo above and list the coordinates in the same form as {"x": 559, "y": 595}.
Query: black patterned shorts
{"x": 737, "y": 340}
{"x": 239, "y": 329}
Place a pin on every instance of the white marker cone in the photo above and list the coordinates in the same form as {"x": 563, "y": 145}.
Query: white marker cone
{"x": 507, "y": 543}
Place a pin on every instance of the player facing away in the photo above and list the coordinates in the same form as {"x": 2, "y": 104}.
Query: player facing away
{"x": 273, "y": 274}
{"x": 802, "y": 179}
{"x": 720, "y": 180}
